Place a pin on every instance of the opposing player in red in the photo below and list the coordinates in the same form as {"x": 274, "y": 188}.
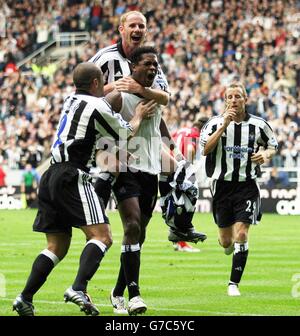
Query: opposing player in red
{"x": 187, "y": 139}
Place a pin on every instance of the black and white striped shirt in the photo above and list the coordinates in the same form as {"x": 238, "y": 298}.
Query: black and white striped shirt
{"x": 83, "y": 121}
{"x": 114, "y": 65}
{"x": 231, "y": 158}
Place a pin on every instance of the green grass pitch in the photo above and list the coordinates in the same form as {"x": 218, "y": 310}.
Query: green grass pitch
{"x": 172, "y": 283}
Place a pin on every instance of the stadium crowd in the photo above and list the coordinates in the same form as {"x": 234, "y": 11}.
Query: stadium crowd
{"x": 203, "y": 45}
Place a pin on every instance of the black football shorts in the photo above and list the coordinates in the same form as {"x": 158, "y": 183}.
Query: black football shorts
{"x": 137, "y": 184}
{"x": 67, "y": 199}
{"x": 235, "y": 202}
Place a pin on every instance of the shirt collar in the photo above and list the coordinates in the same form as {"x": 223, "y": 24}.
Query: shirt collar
{"x": 247, "y": 117}
{"x": 120, "y": 49}
{"x": 83, "y": 92}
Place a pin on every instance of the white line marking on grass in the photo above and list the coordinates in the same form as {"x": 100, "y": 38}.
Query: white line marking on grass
{"x": 191, "y": 311}
{"x": 82, "y": 243}
{"x": 17, "y": 244}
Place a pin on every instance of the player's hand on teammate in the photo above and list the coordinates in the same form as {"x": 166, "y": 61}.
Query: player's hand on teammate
{"x": 128, "y": 84}
{"x": 146, "y": 109}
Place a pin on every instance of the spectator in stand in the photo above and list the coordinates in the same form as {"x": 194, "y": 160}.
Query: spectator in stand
{"x": 29, "y": 185}
{"x": 2, "y": 177}
{"x": 278, "y": 179}
{"x": 200, "y": 43}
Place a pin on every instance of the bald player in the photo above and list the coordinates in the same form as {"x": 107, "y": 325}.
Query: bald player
{"x": 67, "y": 197}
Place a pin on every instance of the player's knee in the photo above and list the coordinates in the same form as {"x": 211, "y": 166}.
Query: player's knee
{"x": 241, "y": 236}
{"x": 106, "y": 239}
{"x": 132, "y": 229}
{"x": 225, "y": 242}
{"x": 59, "y": 250}
{"x": 104, "y": 236}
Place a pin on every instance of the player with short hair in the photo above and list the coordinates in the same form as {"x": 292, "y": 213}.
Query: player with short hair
{"x": 66, "y": 195}
{"x": 136, "y": 189}
{"x": 114, "y": 62}
{"x": 235, "y": 144}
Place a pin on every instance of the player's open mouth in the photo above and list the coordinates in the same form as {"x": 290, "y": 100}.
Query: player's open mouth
{"x": 151, "y": 76}
{"x": 136, "y": 38}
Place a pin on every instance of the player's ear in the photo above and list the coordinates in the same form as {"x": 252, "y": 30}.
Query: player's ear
{"x": 121, "y": 29}
{"x": 95, "y": 82}
{"x": 132, "y": 67}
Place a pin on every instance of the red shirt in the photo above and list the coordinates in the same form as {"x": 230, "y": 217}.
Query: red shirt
{"x": 2, "y": 177}
{"x": 186, "y": 136}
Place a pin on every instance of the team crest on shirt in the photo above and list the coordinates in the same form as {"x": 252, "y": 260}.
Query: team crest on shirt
{"x": 251, "y": 136}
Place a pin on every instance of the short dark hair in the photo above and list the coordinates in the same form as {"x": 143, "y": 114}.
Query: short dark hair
{"x": 136, "y": 56}
{"x": 84, "y": 74}
{"x": 200, "y": 122}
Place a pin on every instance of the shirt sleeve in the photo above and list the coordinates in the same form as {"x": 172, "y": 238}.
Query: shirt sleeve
{"x": 207, "y": 130}
{"x": 102, "y": 63}
{"x": 269, "y": 137}
{"x": 160, "y": 81}
{"x": 111, "y": 124}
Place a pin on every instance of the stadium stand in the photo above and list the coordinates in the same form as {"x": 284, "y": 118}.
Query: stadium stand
{"x": 203, "y": 46}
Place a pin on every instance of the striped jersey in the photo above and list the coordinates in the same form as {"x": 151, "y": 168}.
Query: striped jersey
{"x": 115, "y": 65}
{"x": 146, "y": 144}
{"x": 83, "y": 121}
{"x": 231, "y": 158}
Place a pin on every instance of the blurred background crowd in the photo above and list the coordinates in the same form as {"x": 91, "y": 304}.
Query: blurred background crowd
{"x": 203, "y": 46}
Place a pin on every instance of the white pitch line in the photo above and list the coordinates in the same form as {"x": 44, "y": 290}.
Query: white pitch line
{"x": 192, "y": 311}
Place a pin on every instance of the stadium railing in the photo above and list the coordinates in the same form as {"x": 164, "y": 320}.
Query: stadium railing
{"x": 70, "y": 40}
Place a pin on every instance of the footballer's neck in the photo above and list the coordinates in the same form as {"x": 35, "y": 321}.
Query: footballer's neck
{"x": 240, "y": 116}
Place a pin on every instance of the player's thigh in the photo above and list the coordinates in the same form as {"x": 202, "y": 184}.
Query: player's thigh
{"x": 222, "y": 205}
{"x": 79, "y": 202}
{"x": 101, "y": 232}
{"x": 148, "y": 197}
{"x": 49, "y": 216}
